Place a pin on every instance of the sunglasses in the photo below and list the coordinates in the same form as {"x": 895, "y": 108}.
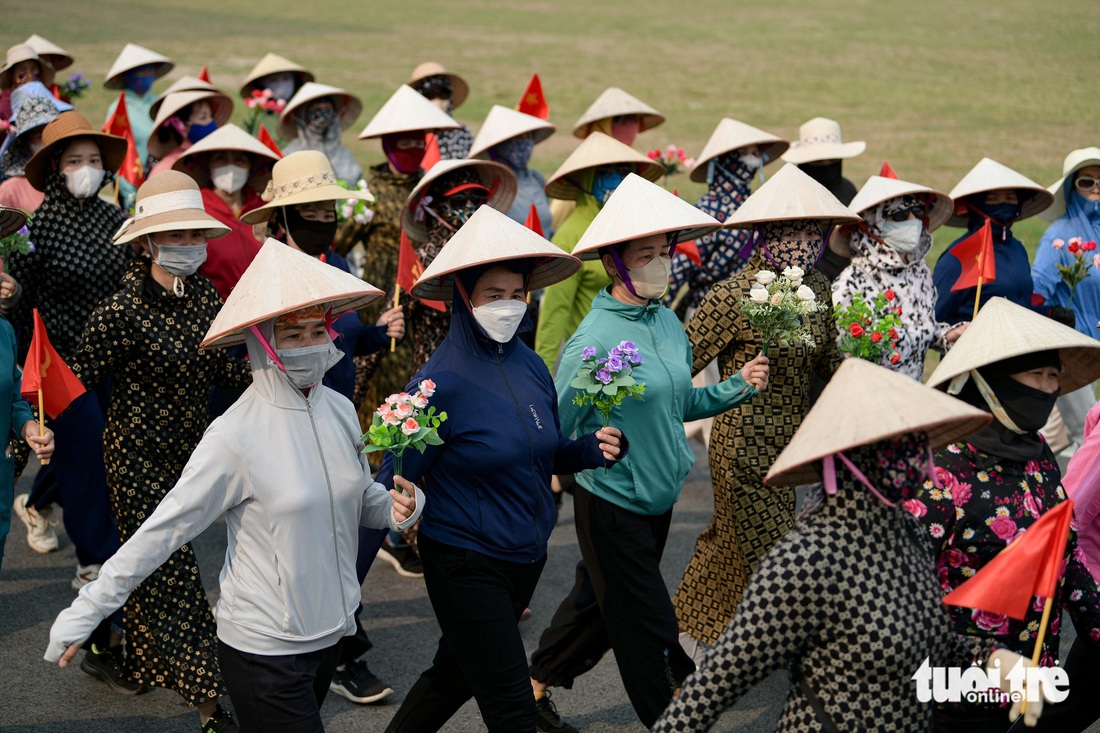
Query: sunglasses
{"x": 437, "y": 91}
{"x": 472, "y": 197}
{"x": 918, "y": 212}
{"x": 1086, "y": 184}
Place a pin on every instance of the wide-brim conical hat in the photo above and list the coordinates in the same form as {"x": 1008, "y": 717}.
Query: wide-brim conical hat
{"x": 488, "y": 237}
{"x": 732, "y": 135}
{"x": 273, "y": 63}
{"x": 504, "y": 123}
{"x": 132, "y": 57}
{"x": 302, "y": 177}
{"x": 229, "y": 137}
{"x": 879, "y": 189}
{"x": 499, "y": 178}
{"x": 639, "y": 208}
{"x": 1003, "y": 330}
{"x": 865, "y": 403}
{"x": 11, "y": 220}
{"x": 989, "y": 175}
{"x": 19, "y": 54}
{"x": 282, "y": 280}
{"x": 1074, "y": 162}
{"x": 790, "y": 195}
{"x": 614, "y": 102}
{"x": 221, "y": 105}
{"x": 183, "y": 84}
{"x": 460, "y": 89}
{"x": 348, "y": 107}
{"x": 56, "y": 56}
{"x": 65, "y": 127}
{"x": 596, "y": 150}
{"x": 407, "y": 111}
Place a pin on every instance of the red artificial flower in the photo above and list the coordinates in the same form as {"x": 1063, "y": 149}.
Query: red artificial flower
{"x": 894, "y": 334}
{"x": 890, "y": 295}
{"x": 876, "y": 337}
{"x": 653, "y": 154}
{"x": 257, "y": 93}
{"x": 1074, "y": 247}
{"x": 1089, "y": 246}
{"x": 897, "y": 311}
{"x": 895, "y": 358}
{"x": 856, "y": 330}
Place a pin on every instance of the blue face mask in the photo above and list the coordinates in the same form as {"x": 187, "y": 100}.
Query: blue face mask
{"x": 198, "y": 132}
{"x": 1004, "y": 214}
{"x": 605, "y": 183}
{"x": 515, "y": 153}
{"x": 140, "y": 83}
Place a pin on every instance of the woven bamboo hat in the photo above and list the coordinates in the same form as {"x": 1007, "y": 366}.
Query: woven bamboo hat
{"x": 221, "y": 105}
{"x": 790, "y": 195}
{"x": 989, "y": 175}
{"x": 596, "y": 150}
{"x": 132, "y": 57}
{"x": 19, "y": 54}
{"x": 879, "y": 189}
{"x": 229, "y": 137}
{"x": 54, "y": 55}
{"x": 166, "y": 202}
{"x": 887, "y": 404}
{"x": 348, "y": 107}
{"x": 819, "y": 139}
{"x": 183, "y": 84}
{"x": 639, "y": 208}
{"x": 303, "y": 177}
{"x": 496, "y": 177}
{"x": 65, "y": 127}
{"x": 614, "y": 102}
{"x": 407, "y": 111}
{"x": 731, "y": 135}
{"x": 273, "y": 63}
{"x": 11, "y": 220}
{"x": 282, "y": 280}
{"x": 431, "y": 68}
{"x": 1074, "y": 162}
{"x": 1003, "y": 330}
{"x": 504, "y": 123}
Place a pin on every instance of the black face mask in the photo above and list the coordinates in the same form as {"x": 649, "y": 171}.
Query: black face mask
{"x": 1028, "y": 407}
{"x": 828, "y": 175}
{"x": 312, "y": 237}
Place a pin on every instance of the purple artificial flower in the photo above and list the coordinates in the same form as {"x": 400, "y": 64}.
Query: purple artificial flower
{"x": 601, "y": 361}
{"x": 604, "y": 376}
{"x": 616, "y": 352}
{"x": 588, "y": 353}
{"x": 628, "y": 347}
{"x": 635, "y": 358}
{"x": 615, "y": 364}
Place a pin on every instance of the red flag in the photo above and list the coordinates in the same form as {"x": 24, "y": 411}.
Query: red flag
{"x": 133, "y": 170}
{"x": 431, "y": 152}
{"x": 1030, "y": 566}
{"x": 46, "y": 372}
{"x": 691, "y": 251}
{"x": 975, "y": 254}
{"x": 409, "y": 270}
{"x": 265, "y": 137}
{"x": 887, "y": 171}
{"x": 533, "y": 222}
{"x": 533, "y": 101}
{"x": 204, "y": 75}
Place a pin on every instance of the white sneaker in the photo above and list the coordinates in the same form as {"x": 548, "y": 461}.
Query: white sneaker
{"x": 41, "y": 535}
{"x": 85, "y": 574}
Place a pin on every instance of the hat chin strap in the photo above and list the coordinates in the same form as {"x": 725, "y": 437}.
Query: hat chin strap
{"x": 830, "y": 477}
{"x": 995, "y": 405}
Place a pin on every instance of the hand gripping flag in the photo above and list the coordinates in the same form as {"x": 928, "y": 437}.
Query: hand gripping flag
{"x": 47, "y": 380}
{"x": 119, "y": 124}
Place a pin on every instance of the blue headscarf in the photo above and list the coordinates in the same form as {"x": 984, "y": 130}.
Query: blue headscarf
{"x": 1084, "y": 214}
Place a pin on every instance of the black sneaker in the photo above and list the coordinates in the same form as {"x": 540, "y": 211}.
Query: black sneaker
{"x": 548, "y": 719}
{"x": 403, "y": 558}
{"x": 107, "y": 666}
{"x": 357, "y": 683}
{"x": 221, "y": 722}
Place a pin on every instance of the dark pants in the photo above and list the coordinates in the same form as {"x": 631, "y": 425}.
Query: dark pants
{"x": 633, "y": 615}
{"x": 478, "y": 601}
{"x": 277, "y": 694}
{"x": 354, "y": 646}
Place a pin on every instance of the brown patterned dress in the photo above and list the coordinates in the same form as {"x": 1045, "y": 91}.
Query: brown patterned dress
{"x": 749, "y": 517}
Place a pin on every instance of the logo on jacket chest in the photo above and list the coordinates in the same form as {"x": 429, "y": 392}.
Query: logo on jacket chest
{"x": 538, "y": 423}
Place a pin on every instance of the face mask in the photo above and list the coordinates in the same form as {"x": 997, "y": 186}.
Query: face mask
{"x": 752, "y": 162}
{"x": 604, "y": 184}
{"x": 312, "y": 237}
{"x": 1004, "y": 214}
{"x": 515, "y": 153}
{"x": 229, "y": 178}
{"x": 282, "y": 89}
{"x": 139, "y": 84}
{"x": 651, "y": 280}
{"x": 306, "y": 367}
{"x": 500, "y": 318}
{"x": 198, "y": 132}
{"x": 405, "y": 159}
{"x": 321, "y": 119}
{"x": 902, "y": 236}
{"x": 180, "y": 260}
{"x": 84, "y": 182}
{"x": 1028, "y": 407}
{"x": 626, "y": 131}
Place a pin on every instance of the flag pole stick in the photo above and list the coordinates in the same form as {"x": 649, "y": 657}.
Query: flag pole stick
{"x": 1047, "y": 605}
{"x": 42, "y": 420}
{"x": 396, "y": 302}
{"x": 977, "y": 297}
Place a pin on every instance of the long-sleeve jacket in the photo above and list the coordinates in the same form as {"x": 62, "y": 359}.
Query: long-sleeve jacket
{"x": 1013, "y": 280}
{"x": 1048, "y": 280}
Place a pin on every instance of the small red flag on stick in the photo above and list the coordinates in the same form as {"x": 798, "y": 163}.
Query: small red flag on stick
{"x": 431, "y": 152}
{"x": 887, "y": 171}
{"x": 265, "y": 137}
{"x": 204, "y": 75}
{"x": 533, "y": 223}
{"x": 409, "y": 270}
{"x": 975, "y": 254}
{"x": 533, "y": 101}
{"x": 133, "y": 170}
{"x": 47, "y": 380}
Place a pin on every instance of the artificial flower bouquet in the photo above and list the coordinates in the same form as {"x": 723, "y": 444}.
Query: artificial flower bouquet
{"x": 260, "y": 102}
{"x": 355, "y": 209}
{"x": 605, "y": 381}
{"x": 775, "y": 307}
{"x": 404, "y": 421}
{"x": 75, "y": 87}
{"x": 869, "y": 329}
{"x": 672, "y": 158}
{"x": 1073, "y": 275}
{"x": 16, "y": 242}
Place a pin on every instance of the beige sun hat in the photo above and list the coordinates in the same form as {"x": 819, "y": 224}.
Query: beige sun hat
{"x": 614, "y": 102}
{"x": 221, "y": 105}
{"x": 183, "y": 84}
{"x": 132, "y": 57}
{"x": 282, "y": 280}
{"x": 639, "y": 208}
{"x": 790, "y": 195}
{"x": 879, "y": 189}
{"x": 273, "y": 63}
{"x": 500, "y": 179}
{"x": 54, "y": 55}
{"x": 348, "y": 107}
{"x": 989, "y": 175}
{"x": 819, "y": 139}
{"x": 229, "y": 137}
{"x": 1003, "y": 330}
{"x": 504, "y": 123}
{"x": 596, "y": 150}
{"x": 11, "y": 220}
{"x": 303, "y": 177}
{"x": 731, "y": 135}
{"x": 487, "y": 237}
{"x": 1075, "y": 161}
{"x": 407, "y": 111}
{"x": 19, "y": 54}
{"x": 431, "y": 68}
{"x": 166, "y": 202}
{"x": 66, "y": 126}
{"x": 888, "y": 404}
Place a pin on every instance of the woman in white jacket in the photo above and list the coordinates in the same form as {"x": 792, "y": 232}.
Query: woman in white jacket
{"x": 284, "y": 466}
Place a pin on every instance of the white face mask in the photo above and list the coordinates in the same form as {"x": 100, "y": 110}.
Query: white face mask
{"x": 180, "y": 260}
{"x": 500, "y": 318}
{"x": 752, "y": 162}
{"x": 282, "y": 89}
{"x": 306, "y": 367}
{"x": 651, "y": 281}
{"x": 229, "y": 178}
{"x": 84, "y": 182}
{"x": 902, "y": 236}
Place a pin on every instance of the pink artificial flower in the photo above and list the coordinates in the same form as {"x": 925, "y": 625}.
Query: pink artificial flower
{"x": 1096, "y": 261}
{"x": 653, "y": 154}
{"x": 995, "y": 622}
{"x": 1003, "y": 527}
{"x": 427, "y": 388}
{"x": 1058, "y": 243}
{"x": 419, "y": 401}
{"x": 403, "y": 411}
{"x": 394, "y": 399}
{"x": 410, "y": 427}
{"x": 914, "y": 507}
{"x": 1076, "y": 240}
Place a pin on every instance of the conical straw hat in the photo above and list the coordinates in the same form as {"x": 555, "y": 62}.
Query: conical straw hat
{"x": 407, "y": 111}
{"x": 879, "y": 189}
{"x": 989, "y": 175}
{"x": 504, "y": 123}
{"x": 1003, "y": 330}
{"x": 862, "y": 404}
{"x": 731, "y": 135}
{"x": 56, "y": 56}
{"x": 273, "y": 63}
{"x": 596, "y": 150}
{"x": 302, "y": 177}
{"x": 431, "y": 68}
{"x": 166, "y": 202}
{"x": 500, "y": 179}
{"x": 348, "y": 106}
{"x": 614, "y": 102}
{"x": 790, "y": 195}
{"x": 19, "y": 54}
{"x": 11, "y": 220}
{"x": 487, "y": 237}
{"x": 639, "y": 208}
{"x": 68, "y": 125}
{"x": 183, "y": 84}
{"x": 282, "y": 280}
{"x": 229, "y": 137}
{"x": 819, "y": 139}
{"x": 221, "y": 105}
{"x": 132, "y": 57}
{"x": 1074, "y": 162}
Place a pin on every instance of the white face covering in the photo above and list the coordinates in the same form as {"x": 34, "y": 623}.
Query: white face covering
{"x": 500, "y": 318}
{"x": 229, "y": 178}
{"x": 306, "y": 367}
{"x": 902, "y": 236}
{"x": 752, "y": 162}
{"x": 281, "y": 89}
{"x": 84, "y": 182}
{"x": 180, "y": 260}
{"x": 651, "y": 280}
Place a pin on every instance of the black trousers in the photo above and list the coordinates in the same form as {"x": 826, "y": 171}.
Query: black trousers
{"x": 478, "y": 601}
{"x": 619, "y": 601}
{"x": 277, "y": 694}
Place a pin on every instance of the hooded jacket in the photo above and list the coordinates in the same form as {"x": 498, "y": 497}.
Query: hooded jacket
{"x": 1013, "y": 277}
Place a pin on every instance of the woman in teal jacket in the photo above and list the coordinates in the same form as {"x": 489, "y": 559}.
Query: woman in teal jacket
{"x": 620, "y": 600}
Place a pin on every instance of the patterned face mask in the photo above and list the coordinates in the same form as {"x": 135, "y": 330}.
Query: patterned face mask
{"x": 785, "y": 245}
{"x": 457, "y": 207}
{"x": 515, "y": 153}
{"x": 321, "y": 118}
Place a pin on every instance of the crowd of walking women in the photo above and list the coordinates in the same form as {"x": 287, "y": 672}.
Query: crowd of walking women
{"x": 229, "y": 320}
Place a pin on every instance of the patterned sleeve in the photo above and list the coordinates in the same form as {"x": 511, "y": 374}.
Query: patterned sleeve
{"x": 229, "y": 371}
{"x": 106, "y": 342}
{"x": 710, "y": 330}
{"x": 828, "y": 356}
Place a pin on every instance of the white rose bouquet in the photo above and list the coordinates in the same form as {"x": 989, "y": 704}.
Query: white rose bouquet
{"x": 775, "y": 307}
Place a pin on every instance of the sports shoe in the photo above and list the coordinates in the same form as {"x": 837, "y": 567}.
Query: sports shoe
{"x": 85, "y": 574}
{"x": 357, "y": 683}
{"x": 548, "y": 719}
{"x": 106, "y": 665}
{"x": 221, "y": 722}
{"x": 404, "y": 559}
{"x": 41, "y": 535}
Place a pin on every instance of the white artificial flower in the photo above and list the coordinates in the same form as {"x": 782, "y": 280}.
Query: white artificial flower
{"x": 765, "y": 277}
{"x": 797, "y": 282}
{"x": 804, "y": 293}
{"x": 793, "y": 273}
{"x": 777, "y": 299}
{"x": 759, "y": 295}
